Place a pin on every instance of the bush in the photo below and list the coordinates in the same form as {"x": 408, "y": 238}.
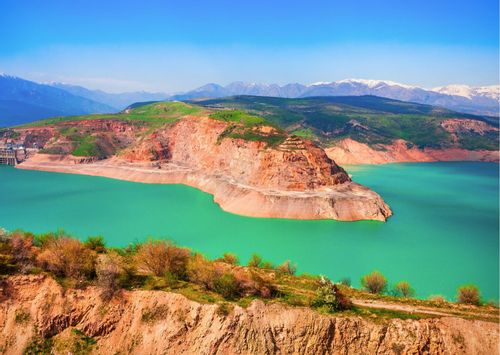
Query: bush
{"x": 346, "y": 281}
{"x": 67, "y": 257}
{"x": 374, "y": 282}
{"x": 438, "y": 299}
{"x": 287, "y": 268}
{"x": 227, "y": 286}
{"x": 468, "y": 294}
{"x": 22, "y": 250}
{"x": 159, "y": 257}
{"x": 229, "y": 258}
{"x": 255, "y": 261}
{"x": 328, "y": 294}
{"x": 201, "y": 271}
{"x": 96, "y": 243}
{"x": 110, "y": 272}
{"x": 403, "y": 289}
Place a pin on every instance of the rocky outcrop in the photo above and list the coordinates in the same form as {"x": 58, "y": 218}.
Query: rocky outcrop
{"x": 349, "y": 151}
{"x": 295, "y": 179}
{"x": 157, "y": 322}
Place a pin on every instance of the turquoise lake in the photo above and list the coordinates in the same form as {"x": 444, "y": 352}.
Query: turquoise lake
{"x": 444, "y": 232}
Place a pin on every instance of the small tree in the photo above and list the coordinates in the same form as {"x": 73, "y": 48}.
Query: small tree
{"x": 328, "y": 294}
{"x": 287, "y": 268}
{"x": 403, "y": 289}
{"x": 109, "y": 270}
{"x": 255, "y": 261}
{"x": 230, "y": 258}
{"x": 468, "y": 294}
{"x": 158, "y": 257}
{"x": 96, "y": 243}
{"x": 374, "y": 282}
{"x": 227, "y": 286}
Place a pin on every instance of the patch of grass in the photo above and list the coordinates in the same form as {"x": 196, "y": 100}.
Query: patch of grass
{"x": 22, "y": 316}
{"x": 82, "y": 344}
{"x": 154, "y": 114}
{"x": 154, "y": 314}
{"x": 239, "y": 116}
{"x": 39, "y": 346}
{"x": 85, "y": 146}
{"x": 271, "y": 140}
{"x": 306, "y": 133}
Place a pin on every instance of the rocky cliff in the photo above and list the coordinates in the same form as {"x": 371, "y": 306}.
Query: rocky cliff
{"x": 292, "y": 178}
{"x": 36, "y": 308}
{"x": 349, "y": 151}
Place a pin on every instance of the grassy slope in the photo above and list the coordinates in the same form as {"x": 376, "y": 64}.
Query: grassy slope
{"x": 152, "y": 114}
{"x": 368, "y": 119}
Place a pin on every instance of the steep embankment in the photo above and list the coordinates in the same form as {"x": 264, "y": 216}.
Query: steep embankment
{"x": 349, "y": 151}
{"x": 156, "y": 322}
{"x": 254, "y": 170}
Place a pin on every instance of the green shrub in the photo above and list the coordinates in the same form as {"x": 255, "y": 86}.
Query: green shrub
{"x": 227, "y": 286}
{"x": 96, "y": 243}
{"x": 437, "y": 299}
{"x": 287, "y": 268}
{"x": 330, "y": 296}
{"x": 229, "y": 258}
{"x": 403, "y": 289}
{"x": 67, "y": 257}
{"x": 374, "y": 282}
{"x": 158, "y": 257}
{"x": 255, "y": 261}
{"x": 468, "y": 294}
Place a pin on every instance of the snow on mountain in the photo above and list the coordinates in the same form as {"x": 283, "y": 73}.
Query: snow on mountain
{"x": 492, "y": 91}
{"x": 463, "y": 98}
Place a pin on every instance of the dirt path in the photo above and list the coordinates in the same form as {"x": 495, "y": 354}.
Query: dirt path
{"x": 423, "y": 310}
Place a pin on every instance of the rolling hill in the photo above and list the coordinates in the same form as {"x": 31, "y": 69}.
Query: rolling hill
{"x": 368, "y": 119}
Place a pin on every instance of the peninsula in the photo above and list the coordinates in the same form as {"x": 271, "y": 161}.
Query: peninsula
{"x": 250, "y": 165}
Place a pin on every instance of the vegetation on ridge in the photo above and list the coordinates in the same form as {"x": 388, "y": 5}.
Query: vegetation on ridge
{"x": 367, "y": 119}
{"x": 153, "y": 114}
{"x": 161, "y": 265}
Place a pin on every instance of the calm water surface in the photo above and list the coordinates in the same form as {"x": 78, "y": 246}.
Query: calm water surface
{"x": 444, "y": 231}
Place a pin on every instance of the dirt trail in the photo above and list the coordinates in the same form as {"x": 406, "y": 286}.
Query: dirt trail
{"x": 423, "y": 310}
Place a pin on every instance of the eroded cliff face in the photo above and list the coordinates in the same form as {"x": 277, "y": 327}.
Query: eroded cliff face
{"x": 156, "y": 322}
{"x": 294, "y": 179}
{"x": 349, "y": 151}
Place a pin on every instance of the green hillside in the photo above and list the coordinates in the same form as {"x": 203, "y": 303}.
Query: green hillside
{"x": 369, "y": 119}
{"x": 155, "y": 113}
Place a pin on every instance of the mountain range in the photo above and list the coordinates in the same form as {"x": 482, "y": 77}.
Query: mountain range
{"x": 23, "y": 101}
{"x": 475, "y": 100}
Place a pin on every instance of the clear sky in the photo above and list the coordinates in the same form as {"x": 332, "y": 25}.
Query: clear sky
{"x": 178, "y": 45}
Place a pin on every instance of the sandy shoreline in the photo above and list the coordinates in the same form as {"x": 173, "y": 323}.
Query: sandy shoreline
{"x": 344, "y": 202}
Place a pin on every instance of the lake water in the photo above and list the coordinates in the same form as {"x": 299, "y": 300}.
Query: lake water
{"x": 444, "y": 231}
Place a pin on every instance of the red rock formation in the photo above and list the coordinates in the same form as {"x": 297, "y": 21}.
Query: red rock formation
{"x": 293, "y": 180}
{"x": 349, "y": 151}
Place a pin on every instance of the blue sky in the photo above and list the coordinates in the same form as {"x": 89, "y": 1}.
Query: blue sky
{"x": 178, "y": 45}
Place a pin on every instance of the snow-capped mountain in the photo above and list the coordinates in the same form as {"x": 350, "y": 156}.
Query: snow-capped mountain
{"x": 470, "y": 92}
{"x": 477, "y": 100}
